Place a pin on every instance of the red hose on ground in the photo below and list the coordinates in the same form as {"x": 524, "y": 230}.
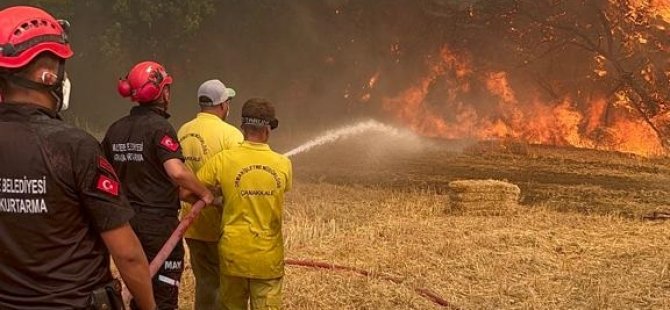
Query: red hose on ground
{"x": 179, "y": 232}
{"x": 430, "y": 295}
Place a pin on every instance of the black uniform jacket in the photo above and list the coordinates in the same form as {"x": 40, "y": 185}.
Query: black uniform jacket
{"x": 58, "y": 193}
{"x": 137, "y": 145}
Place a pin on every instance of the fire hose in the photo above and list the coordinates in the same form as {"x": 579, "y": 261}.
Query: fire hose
{"x": 170, "y": 244}
{"x": 179, "y": 232}
{"x": 428, "y": 294}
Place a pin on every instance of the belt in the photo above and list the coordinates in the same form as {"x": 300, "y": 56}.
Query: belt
{"x": 107, "y": 297}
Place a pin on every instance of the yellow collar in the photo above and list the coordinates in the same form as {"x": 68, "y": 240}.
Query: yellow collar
{"x": 256, "y": 146}
{"x": 208, "y": 116}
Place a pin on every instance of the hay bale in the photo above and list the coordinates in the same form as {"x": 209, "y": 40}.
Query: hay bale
{"x": 483, "y": 186}
{"x": 484, "y": 197}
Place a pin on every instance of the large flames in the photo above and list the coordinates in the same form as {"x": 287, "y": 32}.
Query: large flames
{"x": 458, "y": 101}
{"x": 657, "y": 7}
{"x": 455, "y": 101}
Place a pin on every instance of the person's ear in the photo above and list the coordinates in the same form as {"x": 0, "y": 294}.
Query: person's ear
{"x": 48, "y": 78}
{"x": 166, "y": 94}
{"x": 226, "y": 109}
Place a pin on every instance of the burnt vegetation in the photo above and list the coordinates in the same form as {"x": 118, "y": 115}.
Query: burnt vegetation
{"x": 329, "y": 61}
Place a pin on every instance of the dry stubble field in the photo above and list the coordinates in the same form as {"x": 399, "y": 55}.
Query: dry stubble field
{"x": 579, "y": 239}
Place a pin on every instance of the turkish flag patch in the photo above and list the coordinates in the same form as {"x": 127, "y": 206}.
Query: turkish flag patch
{"x": 108, "y": 185}
{"x": 105, "y": 165}
{"x": 169, "y": 144}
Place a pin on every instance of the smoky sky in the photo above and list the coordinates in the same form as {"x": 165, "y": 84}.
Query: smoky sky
{"x": 314, "y": 59}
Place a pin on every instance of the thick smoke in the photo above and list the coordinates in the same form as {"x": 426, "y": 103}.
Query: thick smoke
{"x": 325, "y": 63}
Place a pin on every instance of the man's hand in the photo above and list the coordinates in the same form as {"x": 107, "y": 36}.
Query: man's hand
{"x": 129, "y": 258}
{"x": 218, "y": 201}
{"x": 190, "y": 197}
{"x": 181, "y": 175}
{"x": 187, "y": 196}
{"x": 208, "y": 198}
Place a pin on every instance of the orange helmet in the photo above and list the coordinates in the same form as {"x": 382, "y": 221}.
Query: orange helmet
{"x": 145, "y": 82}
{"x": 26, "y": 32}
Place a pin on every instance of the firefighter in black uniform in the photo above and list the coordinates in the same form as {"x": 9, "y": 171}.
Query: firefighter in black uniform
{"x": 62, "y": 211}
{"x": 144, "y": 150}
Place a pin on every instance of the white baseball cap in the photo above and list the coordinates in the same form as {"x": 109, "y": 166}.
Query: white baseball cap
{"x": 214, "y": 92}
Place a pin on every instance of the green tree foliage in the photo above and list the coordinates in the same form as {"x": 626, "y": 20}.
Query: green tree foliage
{"x": 123, "y": 30}
{"x": 154, "y": 29}
{"x": 319, "y": 56}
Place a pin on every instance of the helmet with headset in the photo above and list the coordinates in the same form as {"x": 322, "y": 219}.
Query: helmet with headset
{"x": 145, "y": 82}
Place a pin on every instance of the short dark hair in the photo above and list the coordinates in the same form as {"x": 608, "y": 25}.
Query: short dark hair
{"x": 3, "y": 84}
{"x": 43, "y": 60}
{"x": 205, "y": 101}
{"x": 259, "y": 108}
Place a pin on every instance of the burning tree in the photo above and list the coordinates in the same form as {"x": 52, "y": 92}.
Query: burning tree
{"x": 587, "y": 73}
{"x": 623, "y": 46}
{"x": 583, "y": 73}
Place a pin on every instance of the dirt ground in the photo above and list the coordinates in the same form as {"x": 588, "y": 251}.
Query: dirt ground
{"x": 579, "y": 239}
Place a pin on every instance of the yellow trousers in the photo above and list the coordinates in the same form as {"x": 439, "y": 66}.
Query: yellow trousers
{"x": 236, "y": 293}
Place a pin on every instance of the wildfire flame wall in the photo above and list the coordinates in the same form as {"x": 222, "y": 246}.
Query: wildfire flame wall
{"x": 565, "y": 72}
{"x": 597, "y": 80}
{"x": 442, "y": 104}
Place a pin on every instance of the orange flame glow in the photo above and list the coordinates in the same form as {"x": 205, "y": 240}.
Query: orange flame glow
{"x": 658, "y": 7}
{"x": 443, "y": 104}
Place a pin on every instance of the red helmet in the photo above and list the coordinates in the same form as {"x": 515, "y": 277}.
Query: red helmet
{"x": 144, "y": 82}
{"x": 26, "y": 32}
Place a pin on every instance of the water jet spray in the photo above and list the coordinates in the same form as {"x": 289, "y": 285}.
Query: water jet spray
{"x": 347, "y": 131}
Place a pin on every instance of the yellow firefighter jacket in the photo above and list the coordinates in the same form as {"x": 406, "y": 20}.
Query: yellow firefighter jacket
{"x": 253, "y": 180}
{"x": 200, "y": 139}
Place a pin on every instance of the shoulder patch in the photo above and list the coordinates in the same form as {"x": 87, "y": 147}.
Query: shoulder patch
{"x": 169, "y": 144}
{"x": 106, "y": 166}
{"x": 108, "y": 185}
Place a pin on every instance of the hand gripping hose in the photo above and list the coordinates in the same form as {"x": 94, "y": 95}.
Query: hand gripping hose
{"x": 175, "y": 238}
{"x": 171, "y": 243}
